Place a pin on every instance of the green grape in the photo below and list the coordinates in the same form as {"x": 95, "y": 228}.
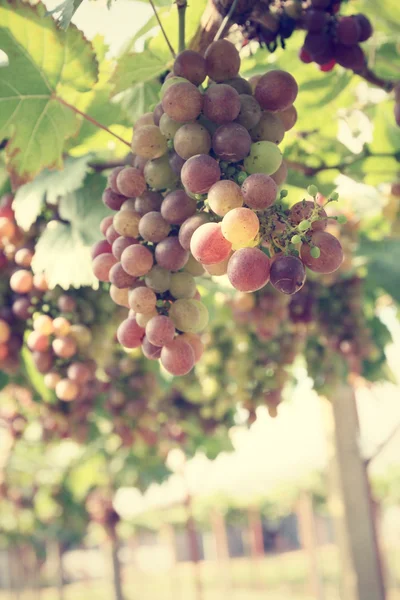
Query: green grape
{"x": 189, "y": 316}
{"x": 265, "y": 157}
{"x": 183, "y": 285}
{"x": 171, "y": 81}
{"x": 159, "y": 175}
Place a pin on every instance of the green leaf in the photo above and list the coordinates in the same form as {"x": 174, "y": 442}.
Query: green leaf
{"x": 383, "y": 264}
{"x": 4, "y": 379}
{"x": 41, "y": 64}
{"x": 135, "y": 68}
{"x": 63, "y": 251}
{"x": 136, "y": 100}
{"x": 65, "y": 11}
{"x": 34, "y": 377}
{"x": 386, "y": 133}
{"x": 48, "y": 186}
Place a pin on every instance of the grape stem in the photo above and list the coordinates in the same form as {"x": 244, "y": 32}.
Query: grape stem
{"x": 312, "y": 171}
{"x": 182, "y": 5}
{"x": 226, "y": 22}
{"x": 111, "y": 164}
{"x": 162, "y": 29}
{"x": 91, "y": 120}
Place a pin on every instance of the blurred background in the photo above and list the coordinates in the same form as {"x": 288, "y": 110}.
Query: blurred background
{"x": 271, "y": 471}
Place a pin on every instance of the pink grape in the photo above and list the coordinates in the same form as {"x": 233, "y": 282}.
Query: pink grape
{"x": 276, "y": 90}
{"x": 102, "y": 247}
{"x": 199, "y": 173}
{"x": 120, "y": 244}
{"x": 137, "y": 260}
{"x": 177, "y": 207}
{"x": 177, "y": 357}
{"x": 149, "y": 350}
{"x": 189, "y": 227}
{"x": 129, "y": 334}
{"x": 222, "y": 60}
{"x": 208, "y": 245}
{"x": 160, "y": 330}
{"x": 119, "y": 277}
{"x": 221, "y": 104}
{"x": 259, "y": 191}
{"x": 170, "y": 255}
{"x": 183, "y": 102}
{"x": 331, "y": 253}
{"x": 102, "y": 265}
{"x": 153, "y": 227}
{"x": 248, "y": 269}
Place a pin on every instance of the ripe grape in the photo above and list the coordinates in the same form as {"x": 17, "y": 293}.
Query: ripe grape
{"x": 126, "y": 223}
{"x": 183, "y": 285}
{"x": 288, "y": 117}
{"x": 51, "y": 379}
{"x": 137, "y": 260}
{"x": 43, "y": 361}
{"x": 79, "y": 372}
{"x": 250, "y": 111}
{"x": 189, "y": 315}
{"x": 142, "y": 300}
{"x": 348, "y": 30}
{"x": 23, "y": 257}
{"x": 270, "y": 128}
{"x": 177, "y": 207}
{"x": 169, "y": 127}
{"x": 365, "y": 27}
{"x": 248, "y": 269}
{"x": 276, "y": 90}
{"x": 64, "y": 347}
{"x": 147, "y": 142}
{"x": 146, "y": 119}
{"x": 241, "y": 85}
{"x": 43, "y": 324}
{"x": 130, "y": 182}
{"x": 224, "y": 196}
{"x": 208, "y": 245}
{"x": 160, "y": 330}
{"x": 148, "y": 202}
{"x": 189, "y": 227}
{"x": 222, "y": 60}
{"x": 119, "y": 277}
{"x": 149, "y": 350}
{"x": 114, "y": 201}
{"x": 239, "y": 226}
{"x": 66, "y": 303}
{"x": 61, "y": 326}
{"x": 111, "y": 234}
{"x": 221, "y": 103}
{"x": 315, "y": 20}
{"x": 159, "y": 174}
{"x": 158, "y": 279}
{"x": 105, "y": 223}
{"x": 153, "y": 227}
{"x": 183, "y": 102}
{"x": 170, "y": 255}
{"x": 231, "y": 142}
{"x": 287, "y": 274}
{"x": 129, "y": 333}
{"x": 119, "y": 296}
{"x": 176, "y": 163}
{"x": 199, "y": 173}
{"x": 259, "y": 191}
{"x": 350, "y": 57}
{"x": 218, "y": 269}
{"x": 195, "y": 342}
{"x": 265, "y": 157}
{"x": 192, "y": 139}
{"x": 177, "y": 357}
{"x": 67, "y": 390}
{"x": 101, "y": 266}
{"x": 21, "y": 281}
{"x": 40, "y": 282}
{"x": 301, "y": 211}
{"x": 331, "y": 253}
{"x": 102, "y": 247}
{"x": 192, "y": 66}
{"x": 120, "y": 244}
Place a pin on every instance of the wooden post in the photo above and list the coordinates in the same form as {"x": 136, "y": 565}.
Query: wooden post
{"x": 193, "y": 547}
{"x": 357, "y": 503}
{"x": 308, "y": 536}
{"x": 222, "y": 547}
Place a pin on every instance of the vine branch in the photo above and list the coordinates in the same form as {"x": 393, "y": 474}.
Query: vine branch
{"x": 312, "y": 171}
{"x": 91, "y": 120}
{"x": 162, "y": 28}
{"x": 182, "y": 6}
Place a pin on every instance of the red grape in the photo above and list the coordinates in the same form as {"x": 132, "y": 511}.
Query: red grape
{"x": 208, "y": 245}
{"x": 248, "y": 269}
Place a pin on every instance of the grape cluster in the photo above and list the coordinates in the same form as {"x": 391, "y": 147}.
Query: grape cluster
{"x": 332, "y": 38}
{"x": 202, "y": 196}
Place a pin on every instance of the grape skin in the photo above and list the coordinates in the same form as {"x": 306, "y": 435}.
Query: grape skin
{"x": 177, "y": 207}
{"x": 160, "y": 330}
{"x": 259, "y": 191}
{"x": 148, "y": 142}
{"x": 158, "y": 279}
{"x": 222, "y": 60}
{"x": 126, "y": 223}
{"x": 276, "y": 90}
{"x": 129, "y": 333}
{"x": 224, "y": 196}
{"x": 248, "y": 269}
{"x": 183, "y": 102}
{"x": 137, "y": 260}
{"x": 287, "y": 274}
{"x": 148, "y": 202}
{"x": 231, "y": 142}
{"x": 208, "y": 245}
{"x": 270, "y": 128}
{"x": 240, "y": 225}
{"x": 149, "y": 350}
{"x": 120, "y": 244}
{"x": 265, "y": 157}
{"x": 221, "y": 104}
{"x": 130, "y": 182}
{"x": 250, "y": 111}
{"x": 302, "y": 211}
{"x": 331, "y": 256}
{"x": 102, "y": 265}
{"x": 113, "y": 200}
{"x": 192, "y": 139}
{"x": 177, "y": 357}
{"x": 189, "y": 226}
{"x": 119, "y": 277}
{"x": 153, "y": 227}
{"x": 192, "y": 66}
{"x": 170, "y": 255}
{"x": 199, "y": 173}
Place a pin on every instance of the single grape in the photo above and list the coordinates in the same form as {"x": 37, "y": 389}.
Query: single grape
{"x": 176, "y": 163}
{"x": 276, "y": 90}
{"x": 222, "y": 60}
{"x": 331, "y": 253}
{"x": 111, "y": 234}
{"x": 177, "y": 207}
{"x": 287, "y": 274}
{"x": 302, "y": 211}
{"x": 43, "y": 361}
{"x": 61, "y": 326}
{"x": 192, "y": 139}
{"x": 148, "y": 202}
{"x": 149, "y": 350}
{"x": 177, "y": 357}
{"x": 120, "y": 244}
{"x": 21, "y": 308}
{"x": 148, "y": 142}
{"x": 130, "y": 182}
{"x": 348, "y": 30}
{"x": 221, "y": 104}
{"x": 183, "y": 285}
{"x": 79, "y": 372}
{"x": 259, "y": 191}
{"x": 170, "y": 255}
{"x": 365, "y": 27}
{"x": 40, "y": 282}
{"x": 67, "y": 390}
{"x": 113, "y": 200}
{"x": 265, "y": 157}
{"x": 169, "y": 81}
{"x": 315, "y": 21}
{"x": 5, "y": 332}
{"x": 160, "y": 330}
{"x": 158, "y": 279}
{"x": 270, "y": 128}
{"x": 195, "y": 342}
{"x": 21, "y": 281}
{"x": 146, "y": 119}
{"x": 137, "y": 260}
{"x": 224, "y": 196}
{"x": 350, "y": 57}
{"x": 51, "y": 379}
{"x": 159, "y": 174}
{"x": 64, "y": 347}
{"x": 248, "y": 269}
{"x": 153, "y": 227}
{"x": 126, "y": 223}
{"x": 288, "y": 117}
{"x": 183, "y": 102}
{"x": 320, "y": 47}
{"x": 199, "y": 173}
{"x": 208, "y": 245}
{"x": 142, "y": 300}
{"x": 129, "y": 334}
{"x": 189, "y": 315}
{"x": 119, "y": 277}
{"x": 250, "y": 111}
{"x": 102, "y": 247}
{"x": 102, "y": 265}
{"x": 241, "y": 85}
{"x": 43, "y": 324}
{"x": 192, "y": 66}
{"x": 169, "y": 127}
{"x": 239, "y": 226}
{"x": 119, "y": 296}
{"x": 231, "y": 142}
{"x": 23, "y": 257}
{"x": 105, "y": 223}
{"x": 193, "y": 267}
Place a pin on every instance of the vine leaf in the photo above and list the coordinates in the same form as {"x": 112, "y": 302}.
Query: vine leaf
{"x": 63, "y": 250}
{"x": 136, "y": 68}
{"x": 42, "y": 62}
{"x": 64, "y": 12}
{"x": 136, "y": 99}
{"x": 48, "y": 186}
{"x": 383, "y": 264}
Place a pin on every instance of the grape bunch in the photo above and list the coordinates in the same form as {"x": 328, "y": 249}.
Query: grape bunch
{"x": 201, "y": 197}
{"x": 332, "y": 38}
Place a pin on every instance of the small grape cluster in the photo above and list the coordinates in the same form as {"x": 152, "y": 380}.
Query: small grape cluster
{"x": 332, "y": 38}
{"x": 201, "y": 197}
